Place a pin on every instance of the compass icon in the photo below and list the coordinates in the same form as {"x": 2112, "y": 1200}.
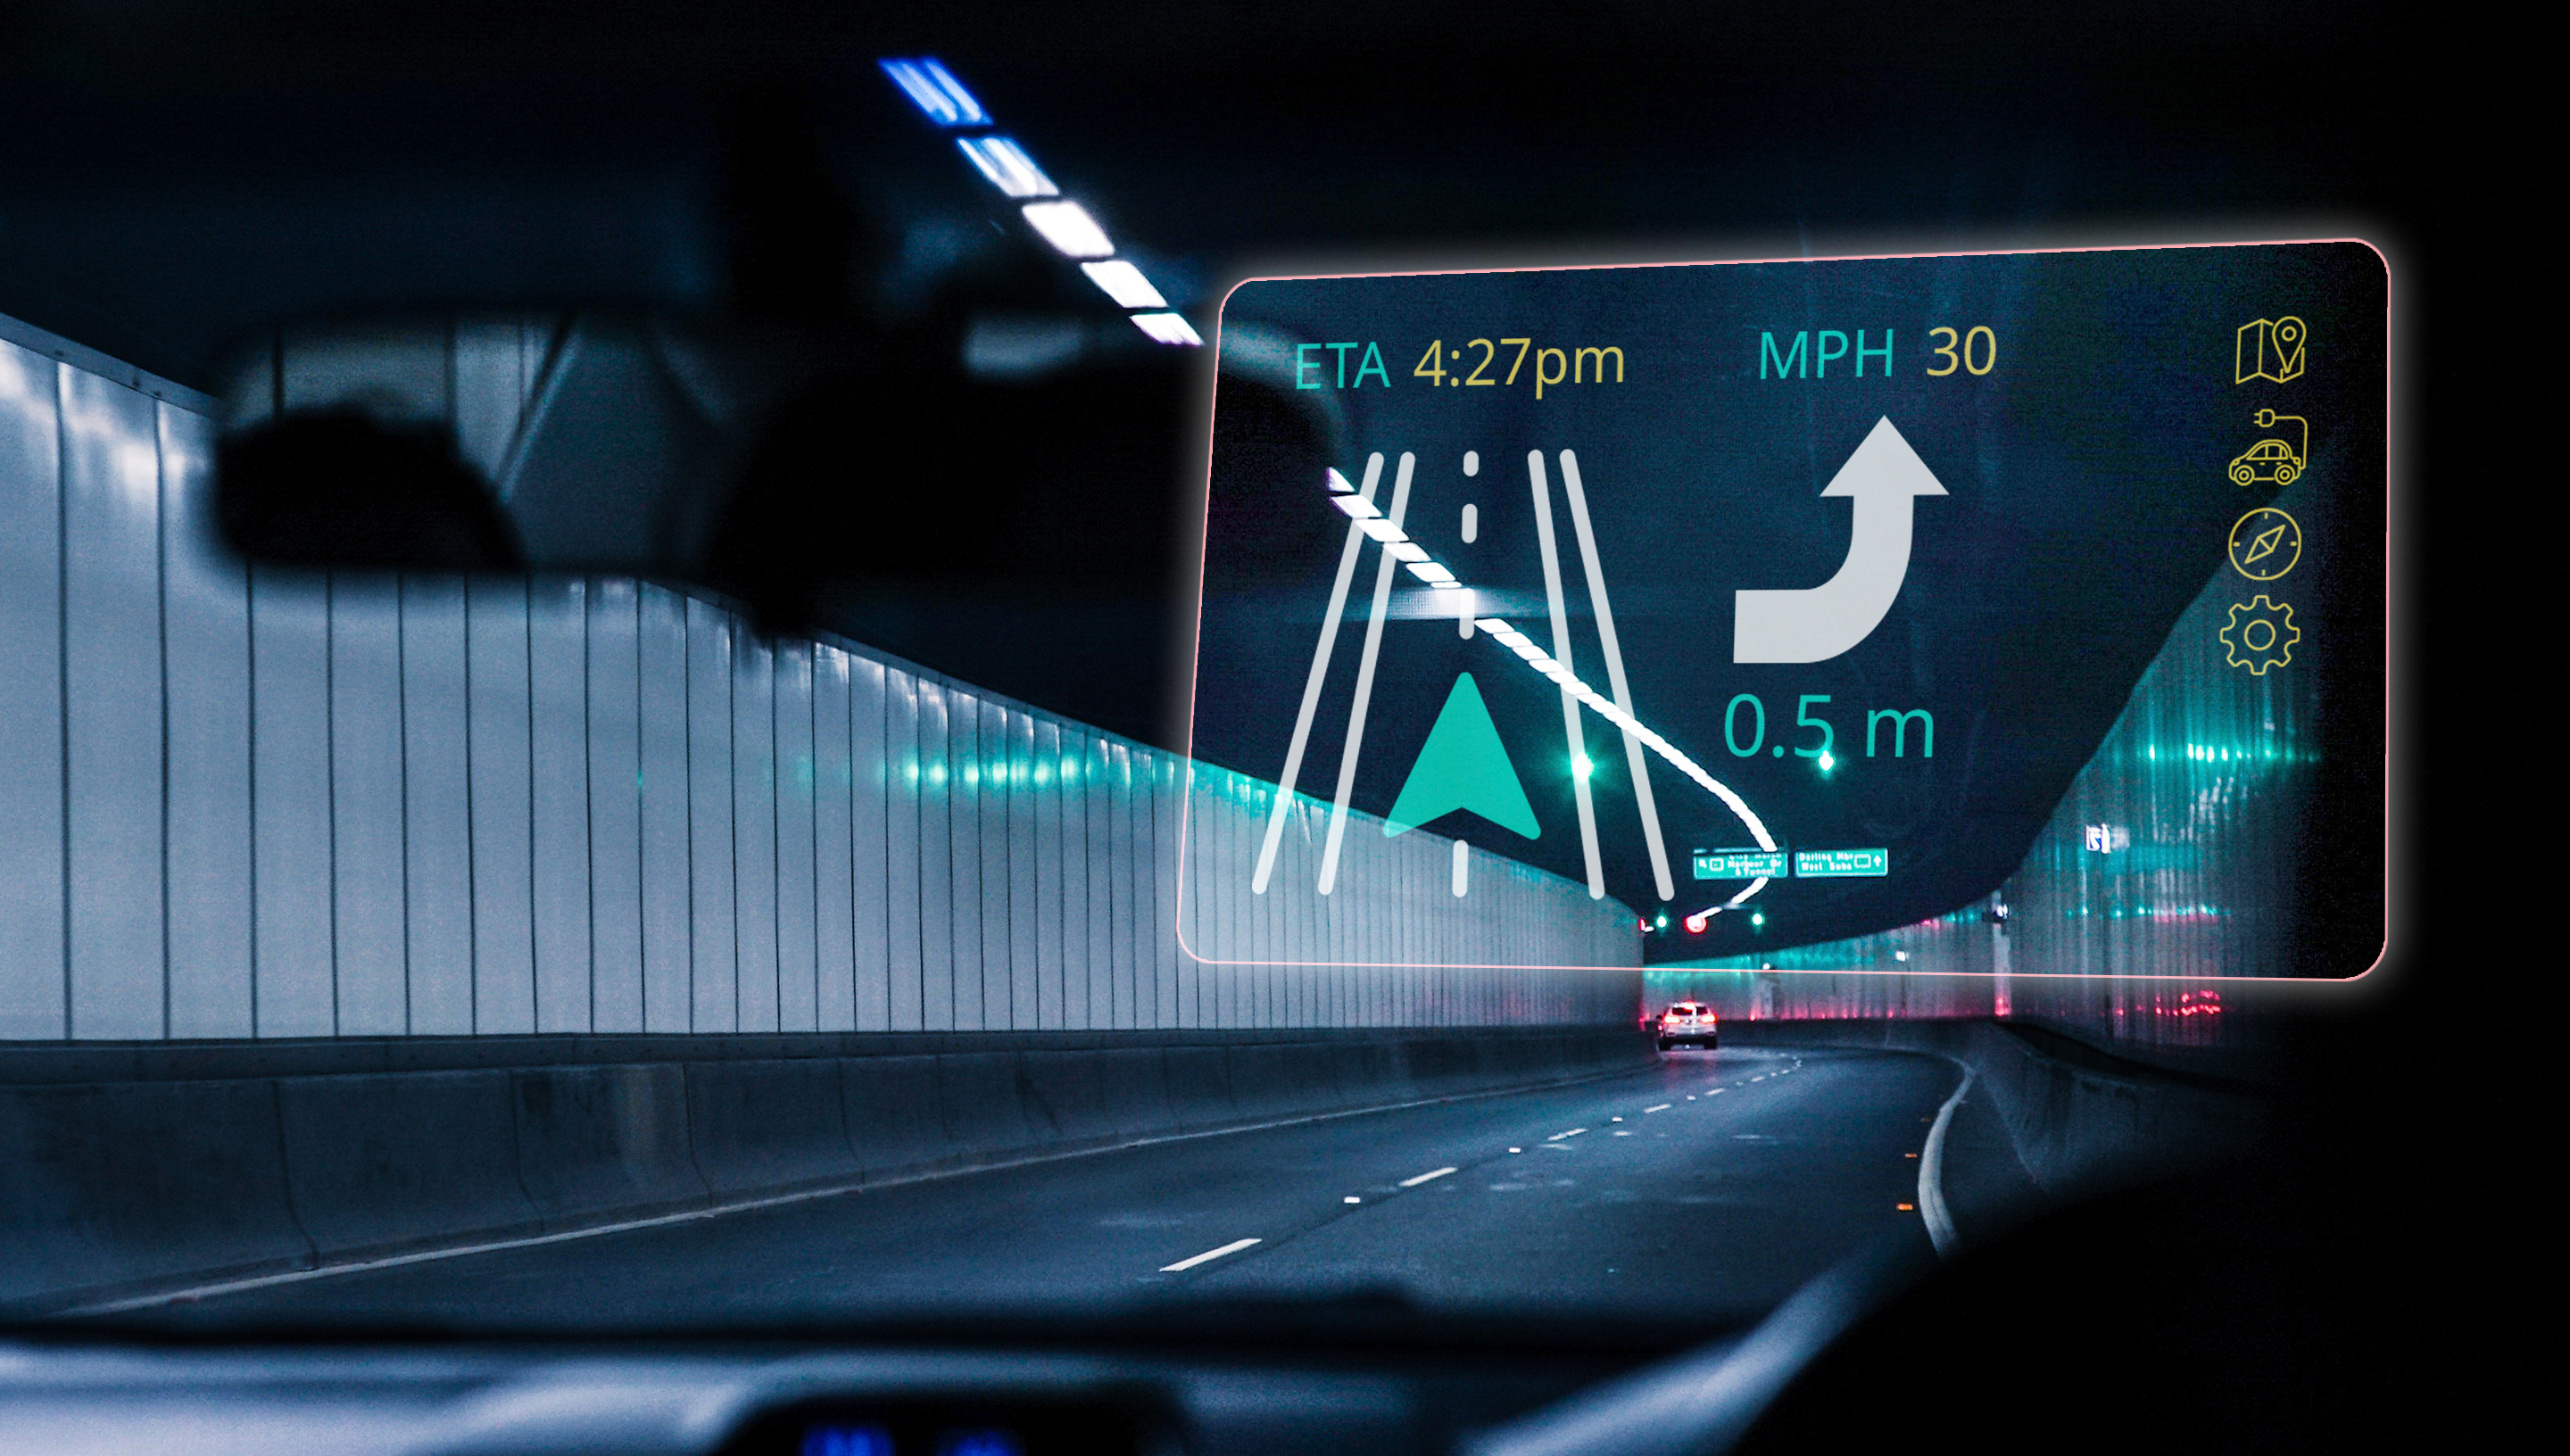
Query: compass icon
{"x": 2265, "y": 543}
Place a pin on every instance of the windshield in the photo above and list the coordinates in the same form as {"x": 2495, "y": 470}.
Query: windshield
{"x": 934, "y": 684}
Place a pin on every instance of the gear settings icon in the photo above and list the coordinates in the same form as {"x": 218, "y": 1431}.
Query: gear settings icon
{"x": 2260, "y": 634}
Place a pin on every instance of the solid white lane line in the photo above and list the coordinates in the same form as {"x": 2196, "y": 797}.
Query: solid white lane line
{"x": 1931, "y": 1174}
{"x": 1235, "y": 1247}
{"x": 1562, "y": 654}
{"x": 1557, "y": 1137}
{"x": 1663, "y": 1107}
{"x": 1424, "y": 1178}
{"x": 1364, "y": 682}
{"x": 1312, "y": 685}
{"x": 1650, "y": 811}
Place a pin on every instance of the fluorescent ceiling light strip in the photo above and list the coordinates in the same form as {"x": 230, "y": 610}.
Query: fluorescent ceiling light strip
{"x": 1124, "y": 283}
{"x": 1069, "y": 229}
{"x": 1006, "y": 167}
{"x": 1337, "y": 482}
{"x": 1383, "y": 530}
{"x": 1168, "y": 328}
{"x": 1356, "y": 506}
{"x": 935, "y": 91}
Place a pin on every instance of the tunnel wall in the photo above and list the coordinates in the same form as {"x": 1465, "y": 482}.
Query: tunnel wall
{"x": 135, "y": 1170}
{"x": 244, "y": 803}
{"x": 2169, "y": 896}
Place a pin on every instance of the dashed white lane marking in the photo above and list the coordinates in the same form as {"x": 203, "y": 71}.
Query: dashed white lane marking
{"x": 1557, "y": 1137}
{"x": 1718, "y": 1091}
{"x": 1619, "y": 1132}
{"x": 1352, "y": 1199}
{"x": 1210, "y": 1254}
{"x": 1424, "y": 1178}
{"x": 1663, "y": 1107}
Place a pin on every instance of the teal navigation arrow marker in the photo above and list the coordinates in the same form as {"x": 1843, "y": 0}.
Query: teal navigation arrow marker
{"x": 1464, "y": 766}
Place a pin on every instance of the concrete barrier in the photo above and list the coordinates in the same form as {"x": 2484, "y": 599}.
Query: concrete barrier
{"x": 1060, "y": 1099}
{"x": 2076, "y": 1116}
{"x": 895, "y": 1115}
{"x": 602, "y": 1144}
{"x": 388, "y": 1163}
{"x": 983, "y": 1111}
{"x": 1198, "y": 1079}
{"x": 768, "y": 1126}
{"x": 1133, "y": 1085}
{"x": 117, "y": 1187}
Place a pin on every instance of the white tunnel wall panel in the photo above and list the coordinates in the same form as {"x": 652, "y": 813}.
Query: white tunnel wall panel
{"x": 1045, "y": 752}
{"x": 367, "y": 909}
{"x": 938, "y": 955}
{"x": 243, "y": 802}
{"x": 834, "y": 872}
{"x": 755, "y": 876}
{"x": 111, "y": 684}
{"x": 713, "y": 974}
{"x": 1022, "y": 882}
{"x": 32, "y": 1001}
{"x": 799, "y": 962}
{"x": 983, "y": 919}
{"x": 205, "y": 624}
{"x": 563, "y": 880}
{"x": 659, "y": 709}
{"x": 438, "y": 847}
{"x": 905, "y": 981}
{"x": 871, "y": 915}
{"x": 294, "y": 985}
{"x": 498, "y": 777}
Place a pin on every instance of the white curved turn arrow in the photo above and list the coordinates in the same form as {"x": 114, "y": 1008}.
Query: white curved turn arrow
{"x": 1820, "y": 623}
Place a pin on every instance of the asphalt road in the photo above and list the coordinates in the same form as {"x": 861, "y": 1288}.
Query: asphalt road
{"x": 1709, "y": 1183}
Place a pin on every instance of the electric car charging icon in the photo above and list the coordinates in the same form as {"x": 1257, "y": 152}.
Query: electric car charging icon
{"x": 2271, "y": 460}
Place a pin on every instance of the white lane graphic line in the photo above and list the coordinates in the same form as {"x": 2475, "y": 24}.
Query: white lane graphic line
{"x": 1365, "y": 683}
{"x": 1562, "y": 654}
{"x": 1424, "y": 1178}
{"x": 1932, "y": 1175}
{"x": 1210, "y": 1254}
{"x": 1579, "y": 500}
{"x": 1663, "y": 1107}
{"x": 1312, "y": 684}
{"x": 1557, "y": 1137}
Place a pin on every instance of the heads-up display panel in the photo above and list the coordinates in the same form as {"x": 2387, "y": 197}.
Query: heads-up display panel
{"x": 1789, "y": 602}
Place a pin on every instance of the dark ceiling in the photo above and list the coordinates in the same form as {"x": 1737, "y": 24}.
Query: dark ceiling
{"x": 182, "y": 173}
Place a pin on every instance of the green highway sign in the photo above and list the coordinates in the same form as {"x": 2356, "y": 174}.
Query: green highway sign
{"x": 1739, "y": 863}
{"x": 1839, "y": 864}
